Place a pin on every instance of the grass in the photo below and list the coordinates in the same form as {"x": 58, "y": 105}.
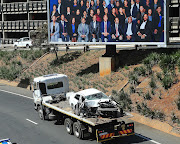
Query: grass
{"x": 152, "y": 83}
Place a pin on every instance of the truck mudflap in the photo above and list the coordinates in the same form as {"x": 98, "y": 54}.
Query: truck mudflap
{"x": 119, "y": 130}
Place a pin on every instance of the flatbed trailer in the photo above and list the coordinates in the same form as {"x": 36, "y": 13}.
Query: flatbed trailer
{"x": 51, "y": 100}
{"x": 103, "y": 129}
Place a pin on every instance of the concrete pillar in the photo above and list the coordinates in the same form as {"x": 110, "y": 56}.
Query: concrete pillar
{"x": 109, "y": 61}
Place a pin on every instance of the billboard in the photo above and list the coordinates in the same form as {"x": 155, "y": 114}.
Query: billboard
{"x": 141, "y": 22}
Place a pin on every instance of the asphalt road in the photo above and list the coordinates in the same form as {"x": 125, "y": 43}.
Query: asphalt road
{"x": 20, "y": 122}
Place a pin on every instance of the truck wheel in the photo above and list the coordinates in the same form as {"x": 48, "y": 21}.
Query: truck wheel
{"x": 77, "y": 130}
{"x": 35, "y": 107}
{"x": 27, "y": 46}
{"x": 68, "y": 125}
{"x": 40, "y": 112}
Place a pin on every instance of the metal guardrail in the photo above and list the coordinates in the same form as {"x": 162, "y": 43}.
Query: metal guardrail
{"x": 22, "y": 7}
{"x": 8, "y": 41}
{"x": 37, "y": 6}
{"x": 22, "y": 25}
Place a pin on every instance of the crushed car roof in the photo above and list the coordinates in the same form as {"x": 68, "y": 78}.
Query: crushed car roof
{"x": 89, "y": 91}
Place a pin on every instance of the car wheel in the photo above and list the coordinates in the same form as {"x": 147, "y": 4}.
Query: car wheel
{"x": 27, "y": 46}
{"x": 15, "y": 47}
{"x": 69, "y": 125}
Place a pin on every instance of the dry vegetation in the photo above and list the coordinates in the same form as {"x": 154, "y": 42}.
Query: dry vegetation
{"x": 151, "y": 78}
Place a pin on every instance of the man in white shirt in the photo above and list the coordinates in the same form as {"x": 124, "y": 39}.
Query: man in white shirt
{"x": 144, "y": 30}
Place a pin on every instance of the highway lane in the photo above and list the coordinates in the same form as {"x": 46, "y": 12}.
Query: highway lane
{"x": 15, "y": 110}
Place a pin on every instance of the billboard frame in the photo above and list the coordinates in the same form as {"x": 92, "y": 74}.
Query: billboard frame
{"x": 159, "y": 44}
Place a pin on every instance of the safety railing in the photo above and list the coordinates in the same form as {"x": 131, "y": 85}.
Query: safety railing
{"x": 22, "y": 25}
{"x": 37, "y": 6}
{"x": 14, "y": 7}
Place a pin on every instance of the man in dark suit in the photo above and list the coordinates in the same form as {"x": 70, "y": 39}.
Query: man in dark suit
{"x": 60, "y": 7}
{"x": 68, "y": 15}
{"x": 130, "y": 30}
{"x": 94, "y": 30}
{"x": 105, "y": 29}
{"x": 117, "y": 31}
{"x": 63, "y": 29}
{"x": 144, "y": 30}
{"x": 133, "y": 9}
{"x": 140, "y": 15}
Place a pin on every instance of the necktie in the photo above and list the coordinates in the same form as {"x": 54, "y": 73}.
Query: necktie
{"x": 83, "y": 29}
{"x": 63, "y": 27}
{"x": 116, "y": 31}
{"x": 105, "y": 27}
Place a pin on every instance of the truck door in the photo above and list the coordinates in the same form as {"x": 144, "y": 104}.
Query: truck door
{"x": 36, "y": 93}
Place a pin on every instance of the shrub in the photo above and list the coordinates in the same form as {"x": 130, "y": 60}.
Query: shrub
{"x": 123, "y": 99}
{"x": 140, "y": 71}
{"x": 167, "y": 81}
{"x": 152, "y": 59}
{"x": 126, "y": 67}
{"x": 175, "y": 119}
{"x": 133, "y": 78}
{"x": 138, "y": 107}
{"x": 160, "y": 115}
{"x": 152, "y": 83}
{"x": 178, "y": 103}
{"x": 132, "y": 90}
{"x": 159, "y": 76}
{"x": 147, "y": 96}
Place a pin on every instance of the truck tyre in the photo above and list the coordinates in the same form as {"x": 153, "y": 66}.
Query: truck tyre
{"x": 69, "y": 125}
{"x": 77, "y": 130}
{"x": 27, "y": 46}
{"x": 40, "y": 112}
{"x": 35, "y": 107}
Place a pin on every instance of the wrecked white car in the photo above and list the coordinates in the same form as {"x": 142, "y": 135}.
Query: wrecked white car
{"x": 92, "y": 102}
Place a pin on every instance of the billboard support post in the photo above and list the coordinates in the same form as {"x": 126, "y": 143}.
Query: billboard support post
{"x": 108, "y": 61}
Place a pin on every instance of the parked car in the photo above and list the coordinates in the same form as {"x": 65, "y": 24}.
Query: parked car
{"x": 23, "y": 42}
{"x": 6, "y": 141}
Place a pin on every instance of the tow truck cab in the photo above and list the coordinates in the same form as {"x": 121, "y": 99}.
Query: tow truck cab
{"x": 49, "y": 85}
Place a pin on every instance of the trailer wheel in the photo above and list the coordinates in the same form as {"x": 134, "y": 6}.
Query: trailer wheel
{"x": 40, "y": 112}
{"x": 77, "y": 130}
{"x": 69, "y": 125}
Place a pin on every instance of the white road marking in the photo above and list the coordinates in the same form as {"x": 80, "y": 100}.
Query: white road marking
{"x": 16, "y": 94}
{"x": 32, "y": 121}
{"x": 153, "y": 141}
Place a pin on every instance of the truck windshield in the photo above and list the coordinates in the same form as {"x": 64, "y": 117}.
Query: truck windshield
{"x": 96, "y": 96}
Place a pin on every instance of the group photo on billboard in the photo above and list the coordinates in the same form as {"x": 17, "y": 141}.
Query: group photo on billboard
{"x": 98, "y": 21}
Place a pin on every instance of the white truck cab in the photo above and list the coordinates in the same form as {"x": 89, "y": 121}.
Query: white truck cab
{"x": 47, "y": 85}
{"x": 23, "y": 42}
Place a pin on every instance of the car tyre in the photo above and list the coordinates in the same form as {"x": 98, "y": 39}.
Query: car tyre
{"x": 27, "y": 46}
{"x": 15, "y": 47}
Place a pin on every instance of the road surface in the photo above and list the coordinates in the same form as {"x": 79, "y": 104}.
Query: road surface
{"x": 20, "y": 122}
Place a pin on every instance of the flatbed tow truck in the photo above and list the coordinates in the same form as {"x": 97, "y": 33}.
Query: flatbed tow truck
{"x": 50, "y": 92}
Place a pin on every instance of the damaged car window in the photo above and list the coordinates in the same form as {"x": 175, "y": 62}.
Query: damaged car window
{"x": 96, "y": 96}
